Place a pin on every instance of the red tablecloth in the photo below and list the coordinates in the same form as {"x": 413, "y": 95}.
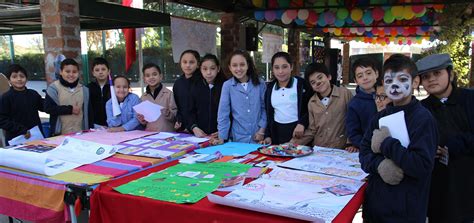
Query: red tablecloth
{"x": 108, "y": 205}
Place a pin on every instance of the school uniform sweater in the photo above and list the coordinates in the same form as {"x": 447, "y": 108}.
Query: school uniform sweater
{"x": 163, "y": 97}
{"x": 452, "y": 186}
{"x": 128, "y": 117}
{"x": 360, "y": 111}
{"x": 304, "y": 93}
{"x": 19, "y": 112}
{"x": 181, "y": 90}
{"x": 99, "y": 97}
{"x": 407, "y": 201}
{"x": 203, "y": 106}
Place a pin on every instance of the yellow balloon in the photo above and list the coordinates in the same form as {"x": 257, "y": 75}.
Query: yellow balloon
{"x": 258, "y": 3}
{"x": 356, "y": 14}
{"x": 408, "y": 13}
{"x": 337, "y": 31}
{"x": 397, "y": 11}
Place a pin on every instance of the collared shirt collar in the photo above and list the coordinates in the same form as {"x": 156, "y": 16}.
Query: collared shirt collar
{"x": 288, "y": 85}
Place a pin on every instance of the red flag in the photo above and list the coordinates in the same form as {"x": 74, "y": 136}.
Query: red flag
{"x": 130, "y": 38}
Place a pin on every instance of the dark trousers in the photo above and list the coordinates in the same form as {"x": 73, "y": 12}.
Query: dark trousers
{"x": 282, "y": 133}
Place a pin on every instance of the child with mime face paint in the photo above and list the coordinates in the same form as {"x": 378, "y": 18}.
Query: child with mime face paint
{"x": 399, "y": 177}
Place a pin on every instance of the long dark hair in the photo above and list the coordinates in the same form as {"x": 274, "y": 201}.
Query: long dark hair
{"x": 220, "y": 77}
{"x": 283, "y": 55}
{"x": 252, "y": 70}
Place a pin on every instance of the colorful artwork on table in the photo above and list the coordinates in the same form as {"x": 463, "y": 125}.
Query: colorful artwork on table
{"x": 183, "y": 183}
{"x": 160, "y": 145}
{"x": 329, "y": 161}
{"x": 297, "y": 194}
{"x": 231, "y": 149}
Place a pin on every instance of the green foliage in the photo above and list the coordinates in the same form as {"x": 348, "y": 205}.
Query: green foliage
{"x": 33, "y": 63}
{"x": 455, "y": 39}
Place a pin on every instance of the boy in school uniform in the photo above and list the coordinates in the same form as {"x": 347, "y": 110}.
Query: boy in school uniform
{"x": 67, "y": 101}
{"x": 326, "y": 110}
{"x": 99, "y": 90}
{"x": 362, "y": 107}
{"x": 19, "y": 106}
{"x": 399, "y": 180}
{"x": 452, "y": 184}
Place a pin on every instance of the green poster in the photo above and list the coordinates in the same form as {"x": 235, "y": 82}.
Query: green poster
{"x": 183, "y": 183}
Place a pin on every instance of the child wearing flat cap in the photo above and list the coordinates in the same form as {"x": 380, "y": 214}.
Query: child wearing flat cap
{"x": 399, "y": 180}
{"x": 452, "y": 185}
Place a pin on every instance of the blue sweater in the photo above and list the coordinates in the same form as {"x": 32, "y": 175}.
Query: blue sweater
{"x": 407, "y": 201}
{"x": 360, "y": 111}
{"x": 128, "y": 118}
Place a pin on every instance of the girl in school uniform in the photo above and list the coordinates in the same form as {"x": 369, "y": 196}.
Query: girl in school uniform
{"x": 242, "y": 98}
{"x": 204, "y": 98}
{"x": 326, "y": 110}
{"x": 189, "y": 62}
{"x": 286, "y": 100}
{"x": 158, "y": 94}
{"x": 126, "y": 120}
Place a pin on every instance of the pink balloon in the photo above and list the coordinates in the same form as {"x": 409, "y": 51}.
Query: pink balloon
{"x": 270, "y": 15}
{"x": 409, "y": 42}
{"x": 329, "y": 17}
{"x": 312, "y": 17}
{"x": 346, "y": 31}
{"x": 378, "y": 13}
{"x": 417, "y": 9}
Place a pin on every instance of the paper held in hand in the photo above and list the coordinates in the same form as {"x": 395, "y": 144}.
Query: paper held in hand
{"x": 397, "y": 126}
{"x": 149, "y": 110}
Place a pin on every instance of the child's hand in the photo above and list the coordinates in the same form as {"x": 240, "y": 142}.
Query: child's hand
{"x": 214, "y": 135}
{"x": 216, "y": 141}
{"x": 266, "y": 141}
{"x": 299, "y": 131}
{"x": 76, "y": 109}
{"x": 166, "y": 112}
{"x": 141, "y": 119}
{"x": 177, "y": 125}
{"x": 27, "y": 135}
{"x": 198, "y": 132}
{"x": 390, "y": 172}
{"x": 352, "y": 149}
{"x": 116, "y": 129}
{"x": 377, "y": 138}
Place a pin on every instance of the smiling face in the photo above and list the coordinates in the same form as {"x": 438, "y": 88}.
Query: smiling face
{"x": 366, "y": 77}
{"x": 189, "y": 64}
{"x": 398, "y": 86}
{"x": 282, "y": 69}
{"x": 209, "y": 70}
{"x": 152, "y": 77}
{"x": 70, "y": 73}
{"x": 381, "y": 99}
{"x": 121, "y": 88}
{"x": 18, "y": 80}
{"x": 320, "y": 83}
{"x": 238, "y": 67}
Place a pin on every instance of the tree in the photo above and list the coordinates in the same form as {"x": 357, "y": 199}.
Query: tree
{"x": 455, "y": 38}
{"x": 4, "y": 48}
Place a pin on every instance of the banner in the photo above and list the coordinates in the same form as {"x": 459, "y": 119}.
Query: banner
{"x": 188, "y": 34}
{"x": 271, "y": 45}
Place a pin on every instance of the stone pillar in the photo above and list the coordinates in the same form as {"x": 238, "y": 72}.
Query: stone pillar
{"x": 231, "y": 37}
{"x": 294, "y": 49}
{"x": 61, "y": 32}
{"x": 345, "y": 63}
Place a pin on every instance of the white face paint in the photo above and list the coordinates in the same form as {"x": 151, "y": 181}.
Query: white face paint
{"x": 397, "y": 85}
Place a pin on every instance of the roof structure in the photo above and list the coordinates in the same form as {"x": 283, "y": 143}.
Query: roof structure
{"x": 26, "y": 18}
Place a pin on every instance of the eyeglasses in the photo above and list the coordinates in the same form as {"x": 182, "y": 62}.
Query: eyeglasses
{"x": 380, "y": 97}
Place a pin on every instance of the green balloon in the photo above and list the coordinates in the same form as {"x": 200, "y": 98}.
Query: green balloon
{"x": 284, "y": 3}
{"x": 342, "y": 13}
{"x": 388, "y": 17}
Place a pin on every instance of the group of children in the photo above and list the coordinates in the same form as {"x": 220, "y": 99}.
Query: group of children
{"x": 243, "y": 108}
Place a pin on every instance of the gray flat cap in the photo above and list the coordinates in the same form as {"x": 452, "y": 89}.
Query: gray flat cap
{"x": 434, "y": 62}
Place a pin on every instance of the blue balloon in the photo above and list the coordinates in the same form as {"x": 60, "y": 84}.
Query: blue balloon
{"x": 349, "y": 20}
{"x": 299, "y": 21}
{"x": 279, "y": 13}
{"x": 367, "y": 18}
{"x": 369, "y": 34}
{"x": 259, "y": 15}
{"x": 339, "y": 23}
{"x": 321, "y": 21}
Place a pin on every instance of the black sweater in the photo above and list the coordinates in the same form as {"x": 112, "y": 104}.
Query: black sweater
{"x": 452, "y": 186}
{"x": 19, "y": 112}
{"x": 203, "y": 106}
{"x": 181, "y": 90}
{"x": 98, "y": 97}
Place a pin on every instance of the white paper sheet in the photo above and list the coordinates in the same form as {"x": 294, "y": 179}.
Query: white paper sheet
{"x": 150, "y": 110}
{"x": 70, "y": 154}
{"x": 194, "y": 139}
{"x": 162, "y": 135}
{"x": 336, "y": 162}
{"x": 397, "y": 126}
{"x": 35, "y": 135}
